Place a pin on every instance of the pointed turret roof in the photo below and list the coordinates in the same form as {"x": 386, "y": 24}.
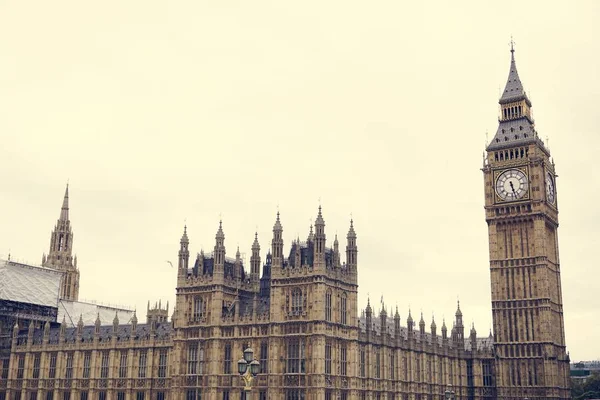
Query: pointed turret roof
{"x": 277, "y": 226}
{"x": 184, "y": 237}
{"x": 516, "y": 126}
{"x": 513, "y": 90}
{"x": 64, "y": 211}
{"x": 351, "y": 232}
{"x": 319, "y": 221}
{"x": 255, "y": 244}
{"x": 220, "y": 234}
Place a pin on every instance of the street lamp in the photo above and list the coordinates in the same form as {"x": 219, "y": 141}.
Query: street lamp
{"x": 449, "y": 393}
{"x": 248, "y": 368}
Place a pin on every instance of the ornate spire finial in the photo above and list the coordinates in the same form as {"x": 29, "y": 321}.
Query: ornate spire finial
{"x": 512, "y": 45}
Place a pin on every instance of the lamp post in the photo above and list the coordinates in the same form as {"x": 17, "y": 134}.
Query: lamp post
{"x": 449, "y": 393}
{"x": 248, "y": 368}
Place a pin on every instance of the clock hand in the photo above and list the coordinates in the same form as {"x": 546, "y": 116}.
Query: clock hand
{"x": 513, "y": 189}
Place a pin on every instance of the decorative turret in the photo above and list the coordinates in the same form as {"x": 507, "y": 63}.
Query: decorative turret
{"x": 319, "y": 257}
{"x": 369, "y": 316}
{"x": 184, "y": 254}
{"x": 311, "y": 235}
{"x": 433, "y": 327}
{"x": 383, "y": 319}
{"x": 444, "y": 330}
{"x": 80, "y": 326}
{"x": 62, "y": 331}
{"x": 157, "y": 313}
{"x": 422, "y": 325}
{"x": 336, "y": 252}
{"x": 116, "y": 323}
{"x": 97, "y": 325}
{"x": 30, "y": 331}
{"x": 351, "y": 249}
{"x": 277, "y": 243}
{"x": 46, "y": 332}
{"x": 255, "y": 260}
{"x": 15, "y": 331}
{"x": 409, "y": 324}
{"x": 473, "y": 338}
{"x": 134, "y": 322}
{"x": 237, "y": 270}
{"x": 460, "y": 328}
{"x": 397, "y": 324}
{"x": 219, "y": 253}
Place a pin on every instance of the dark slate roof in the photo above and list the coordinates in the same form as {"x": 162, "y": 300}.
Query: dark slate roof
{"x": 513, "y": 91}
{"x": 513, "y": 132}
{"x": 124, "y": 332}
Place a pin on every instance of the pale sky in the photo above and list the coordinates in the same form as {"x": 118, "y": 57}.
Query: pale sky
{"x": 158, "y": 113}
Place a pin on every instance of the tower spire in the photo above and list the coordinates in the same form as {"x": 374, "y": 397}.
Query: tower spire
{"x": 516, "y": 125}
{"x": 60, "y": 255}
{"x": 64, "y": 211}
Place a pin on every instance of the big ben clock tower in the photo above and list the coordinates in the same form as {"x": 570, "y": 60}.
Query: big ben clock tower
{"x": 521, "y": 207}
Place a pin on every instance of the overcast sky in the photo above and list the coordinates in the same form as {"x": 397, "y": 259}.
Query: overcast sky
{"x": 158, "y": 113}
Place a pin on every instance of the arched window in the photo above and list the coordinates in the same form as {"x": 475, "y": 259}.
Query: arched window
{"x": 328, "y": 305}
{"x": 296, "y": 301}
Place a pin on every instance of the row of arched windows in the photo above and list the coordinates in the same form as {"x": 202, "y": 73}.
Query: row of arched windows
{"x": 343, "y": 310}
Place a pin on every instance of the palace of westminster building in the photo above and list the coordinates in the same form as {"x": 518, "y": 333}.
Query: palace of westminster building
{"x": 298, "y": 310}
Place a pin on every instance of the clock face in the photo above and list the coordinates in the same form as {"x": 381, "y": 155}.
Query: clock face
{"x": 550, "y": 190}
{"x": 512, "y": 185}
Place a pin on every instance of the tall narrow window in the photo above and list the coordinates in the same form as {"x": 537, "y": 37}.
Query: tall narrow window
{"x": 297, "y": 301}
{"x": 227, "y": 359}
{"x": 83, "y": 395}
{"x": 143, "y": 360}
{"x": 264, "y": 357}
{"x": 198, "y": 308}
{"x": 162, "y": 363}
{"x": 343, "y": 360}
{"x": 192, "y": 360}
{"x": 50, "y": 395}
{"x": 363, "y": 362}
{"x": 69, "y": 369}
{"x": 343, "y": 309}
{"x": 120, "y": 395}
{"x": 392, "y": 365}
{"x": 4, "y": 374}
{"x": 123, "y": 365}
{"x": 328, "y": 305}
{"x": 36, "y": 366}
{"x": 328, "y": 358}
{"x": 87, "y": 357}
{"x": 102, "y": 395}
{"x": 52, "y": 369}
{"x": 104, "y": 365}
{"x": 377, "y": 364}
{"x": 295, "y": 356}
{"x": 20, "y": 366}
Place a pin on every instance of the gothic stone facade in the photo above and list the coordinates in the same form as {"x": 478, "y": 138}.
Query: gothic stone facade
{"x": 300, "y": 316}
